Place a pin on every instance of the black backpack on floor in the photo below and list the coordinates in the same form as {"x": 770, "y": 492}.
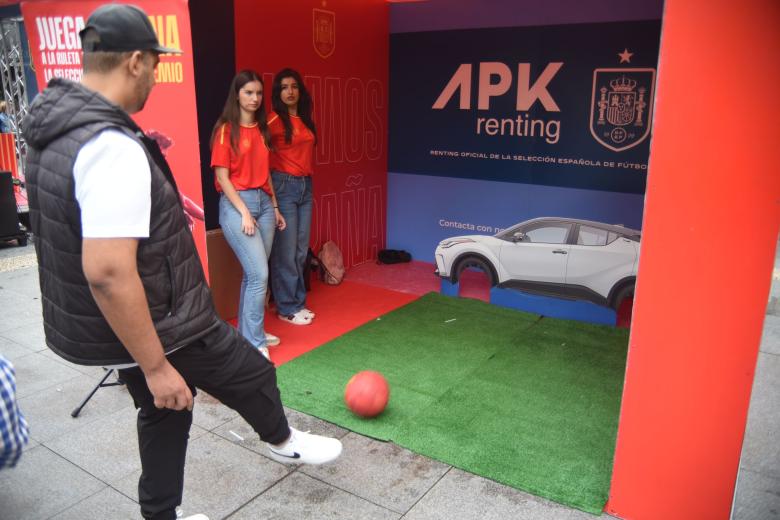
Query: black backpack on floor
{"x": 393, "y": 256}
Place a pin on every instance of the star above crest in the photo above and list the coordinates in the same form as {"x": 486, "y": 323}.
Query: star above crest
{"x": 625, "y": 56}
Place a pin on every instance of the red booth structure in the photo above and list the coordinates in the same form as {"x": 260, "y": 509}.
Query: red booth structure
{"x": 8, "y": 154}
{"x": 708, "y": 245}
{"x": 710, "y": 224}
{"x": 8, "y": 163}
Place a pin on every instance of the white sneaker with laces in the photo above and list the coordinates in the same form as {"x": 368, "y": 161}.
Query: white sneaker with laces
{"x": 305, "y": 448}
{"x": 308, "y": 313}
{"x": 296, "y": 319}
{"x": 272, "y": 340}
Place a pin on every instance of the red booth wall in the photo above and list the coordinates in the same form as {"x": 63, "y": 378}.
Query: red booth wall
{"x": 340, "y": 47}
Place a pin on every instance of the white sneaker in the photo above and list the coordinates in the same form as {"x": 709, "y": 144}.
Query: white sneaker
{"x": 296, "y": 319}
{"x": 308, "y": 313}
{"x": 271, "y": 340}
{"x": 180, "y": 516}
{"x": 265, "y": 353}
{"x": 306, "y": 448}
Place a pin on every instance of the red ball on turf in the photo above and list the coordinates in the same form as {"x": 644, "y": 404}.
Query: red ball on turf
{"x": 367, "y": 393}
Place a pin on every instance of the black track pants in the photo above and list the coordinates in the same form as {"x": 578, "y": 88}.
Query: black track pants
{"x": 226, "y": 366}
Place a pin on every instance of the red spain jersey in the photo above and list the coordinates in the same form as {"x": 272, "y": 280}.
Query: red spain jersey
{"x": 296, "y": 157}
{"x": 248, "y": 168}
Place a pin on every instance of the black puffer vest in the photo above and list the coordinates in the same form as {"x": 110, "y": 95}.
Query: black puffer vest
{"x": 61, "y": 120}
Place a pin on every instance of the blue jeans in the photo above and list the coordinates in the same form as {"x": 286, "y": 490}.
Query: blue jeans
{"x": 294, "y": 195}
{"x": 252, "y": 252}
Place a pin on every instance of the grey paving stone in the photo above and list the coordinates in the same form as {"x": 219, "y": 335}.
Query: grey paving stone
{"x": 31, "y": 443}
{"x": 48, "y": 411}
{"x": 305, "y": 498}
{"x": 30, "y": 336}
{"x": 760, "y": 450}
{"x": 43, "y": 484}
{"x": 219, "y": 476}
{"x": 107, "y": 503}
{"x": 26, "y": 309}
{"x": 22, "y": 280}
{"x": 463, "y": 496}
{"x": 770, "y": 339}
{"x": 758, "y": 498}
{"x": 106, "y": 448}
{"x": 239, "y": 432}
{"x": 209, "y": 413}
{"x": 37, "y": 372}
{"x": 10, "y": 249}
{"x": 12, "y": 350}
{"x": 380, "y": 472}
{"x": 773, "y": 306}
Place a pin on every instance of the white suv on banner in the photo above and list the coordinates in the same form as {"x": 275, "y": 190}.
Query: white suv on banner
{"x": 565, "y": 258}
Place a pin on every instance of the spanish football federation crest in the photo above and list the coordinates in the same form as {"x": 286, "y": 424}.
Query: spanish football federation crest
{"x": 621, "y": 106}
{"x": 324, "y": 32}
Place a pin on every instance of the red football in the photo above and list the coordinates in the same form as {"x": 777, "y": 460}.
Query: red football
{"x": 367, "y": 393}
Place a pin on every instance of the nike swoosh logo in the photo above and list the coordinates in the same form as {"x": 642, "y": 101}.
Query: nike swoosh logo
{"x": 295, "y": 455}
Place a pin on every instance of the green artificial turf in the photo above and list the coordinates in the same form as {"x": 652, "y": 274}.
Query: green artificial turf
{"x": 527, "y": 401}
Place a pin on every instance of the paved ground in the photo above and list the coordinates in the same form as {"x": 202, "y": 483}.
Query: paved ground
{"x": 87, "y": 468}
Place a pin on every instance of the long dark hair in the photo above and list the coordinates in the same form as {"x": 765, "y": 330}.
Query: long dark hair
{"x": 305, "y": 105}
{"x": 232, "y": 113}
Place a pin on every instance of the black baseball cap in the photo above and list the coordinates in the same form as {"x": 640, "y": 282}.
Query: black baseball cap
{"x": 123, "y": 28}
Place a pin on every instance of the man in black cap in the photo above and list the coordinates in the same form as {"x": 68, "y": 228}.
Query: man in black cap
{"x": 121, "y": 281}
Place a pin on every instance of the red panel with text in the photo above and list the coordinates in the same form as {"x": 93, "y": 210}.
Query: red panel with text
{"x": 169, "y": 115}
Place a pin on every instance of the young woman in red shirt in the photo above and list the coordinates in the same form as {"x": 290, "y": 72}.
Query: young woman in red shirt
{"x": 293, "y": 137}
{"x": 248, "y": 208}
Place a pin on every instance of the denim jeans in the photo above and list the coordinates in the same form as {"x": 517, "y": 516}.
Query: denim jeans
{"x": 252, "y": 252}
{"x": 294, "y": 195}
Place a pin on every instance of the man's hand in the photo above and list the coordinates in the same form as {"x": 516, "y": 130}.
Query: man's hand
{"x": 168, "y": 388}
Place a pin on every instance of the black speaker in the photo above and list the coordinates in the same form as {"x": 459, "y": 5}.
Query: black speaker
{"x": 9, "y": 221}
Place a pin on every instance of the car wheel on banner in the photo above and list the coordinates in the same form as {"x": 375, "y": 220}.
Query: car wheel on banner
{"x": 475, "y": 262}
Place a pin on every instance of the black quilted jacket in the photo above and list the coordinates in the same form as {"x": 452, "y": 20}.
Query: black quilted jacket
{"x": 61, "y": 120}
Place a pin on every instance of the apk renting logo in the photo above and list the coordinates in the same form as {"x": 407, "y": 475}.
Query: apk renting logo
{"x": 495, "y": 79}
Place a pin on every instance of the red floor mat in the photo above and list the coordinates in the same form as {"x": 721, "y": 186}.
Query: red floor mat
{"x": 417, "y": 278}
{"x": 412, "y": 277}
{"x": 339, "y": 309}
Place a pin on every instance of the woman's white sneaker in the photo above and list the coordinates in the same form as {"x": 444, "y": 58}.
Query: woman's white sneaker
{"x": 305, "y": 448}
{"x": 271, "y": 340}
{"x": 296, "y": 319}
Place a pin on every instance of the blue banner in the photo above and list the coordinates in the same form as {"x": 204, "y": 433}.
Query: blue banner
{"x": 563, "y": 105}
